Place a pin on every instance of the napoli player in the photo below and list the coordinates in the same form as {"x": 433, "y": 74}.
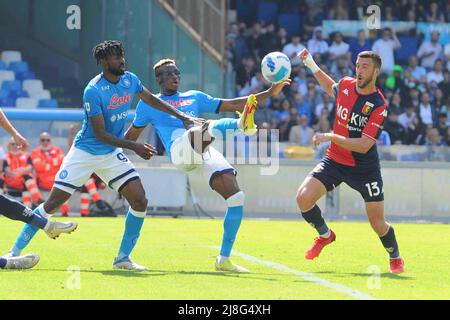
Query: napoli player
{"x": 352, "y": 156}
{"x": 190, "y": 150}
{"x": 97, "y": 148}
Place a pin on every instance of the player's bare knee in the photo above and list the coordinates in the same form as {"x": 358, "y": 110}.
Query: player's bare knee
{"x": 304, "y": 199}
{"x": 140, "y": 203}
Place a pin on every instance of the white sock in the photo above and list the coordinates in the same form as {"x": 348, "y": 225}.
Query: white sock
{"x": 223, "y": 259}
{"x": 47, "y": 225}
{"x": 327, "y": 234}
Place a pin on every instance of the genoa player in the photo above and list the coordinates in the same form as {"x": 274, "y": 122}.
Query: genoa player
{"x": 17, "y": 211}
{"x": 352, "y": 156}
{"x": 98, "y": 148}
{"x": 190, "y": 150}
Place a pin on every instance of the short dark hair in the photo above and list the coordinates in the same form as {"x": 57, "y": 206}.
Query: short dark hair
{"x": 376, "y": 59}
{"x": 106, "y": 49}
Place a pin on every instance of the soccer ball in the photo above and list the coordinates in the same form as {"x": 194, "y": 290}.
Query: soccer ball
{"x": 276, "y": 67}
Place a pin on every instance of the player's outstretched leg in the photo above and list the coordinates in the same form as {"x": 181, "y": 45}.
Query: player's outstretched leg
{"x": 226, "y": 185}
{"x": 308, "y": 194}
{"x": 375, "y": 213}
{"x": 27, "y": 261}
{"x": 245, "y": 123}
{"x": 52, "y": 229}
{"x": 135, "y": 195}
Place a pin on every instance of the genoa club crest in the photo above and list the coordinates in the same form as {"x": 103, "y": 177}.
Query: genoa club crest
{"x": 367, "y": 108}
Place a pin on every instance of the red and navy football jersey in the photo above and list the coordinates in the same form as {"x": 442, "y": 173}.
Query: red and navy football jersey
{"x": 357, "y": 115}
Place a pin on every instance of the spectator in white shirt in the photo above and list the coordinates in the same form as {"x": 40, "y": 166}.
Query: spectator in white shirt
{"x": 436, "y": 75}
{"x": 385, "y": 48}
{"x": 426, "y": 112}
{"x": 419, "y": 73}
{"x": 339, "y": 49}
{"x": 407, "y": 117}
{"x": 317, "y": 44}
{"x": 292, "y": 49}
{"x": 429, "y": 52}
{"x": 447, "y": 54}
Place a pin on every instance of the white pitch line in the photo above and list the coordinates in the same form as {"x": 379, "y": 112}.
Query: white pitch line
{"x": 307, "y": 276}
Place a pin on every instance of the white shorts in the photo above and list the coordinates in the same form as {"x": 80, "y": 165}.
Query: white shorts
{"x": 210, "y": 164}
{"x": 113, "y": 168}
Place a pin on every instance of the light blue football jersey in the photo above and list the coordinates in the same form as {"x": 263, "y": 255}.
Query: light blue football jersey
{"x": 112, "y": 101}
{"x": 192, "y": 103}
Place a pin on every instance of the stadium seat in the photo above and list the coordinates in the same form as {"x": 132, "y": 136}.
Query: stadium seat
{"x": 267, "y": 11}
{"x": 2, "y": 65}
{"x": 18, "y": 66}
{"x": 33, "y": 86}
{"x": 7, "y": 102}
{"x": 14, "y": 94}
{"x": 26, "y": 103}
{"x": 409, "y": 48}
{"x": 246, "y": 9}
{"x": 44, "y": 94}
{"x": 290, "y": 22}
{"x": 11, "y": 85}
{"x": 25, "y": 75}
{"x": 6, "y": 75}
{"x": 3, "y": 93}
{"x": 10, "y": 56}
{"x": 48, "y": 103}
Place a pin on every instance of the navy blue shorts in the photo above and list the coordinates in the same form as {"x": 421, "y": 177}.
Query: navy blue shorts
{"x": 368, "y": 183}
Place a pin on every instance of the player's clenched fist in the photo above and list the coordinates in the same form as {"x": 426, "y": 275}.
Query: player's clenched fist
{"x": 144, "y": 150}
{"x": 318, "y": 138}
{"x": 308, "y": 60}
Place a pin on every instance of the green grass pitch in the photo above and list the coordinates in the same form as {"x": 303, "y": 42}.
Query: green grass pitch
{"x": 180, "y": 254}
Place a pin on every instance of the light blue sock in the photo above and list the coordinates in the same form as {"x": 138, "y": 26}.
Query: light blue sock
{"x": 223, "y": 127}
{"x": 231, "y": 223}
{"x": 25, "y": 236}
{"x": 133, "y": 225}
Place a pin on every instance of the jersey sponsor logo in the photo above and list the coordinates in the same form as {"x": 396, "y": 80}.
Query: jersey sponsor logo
{"x": 117, "y": 101}
{"x": 63, "y": 174}
{"x": 180, "y": 103}
{"x": 119, "y": 116}
{"x": 367, "y": 108}
{"x": 384, "y": 113}
{"x": 105, "y": 88}
{"x": 358, "y": 120}
{"x": 345, "y": 91}
{"x": 342, "y": 113}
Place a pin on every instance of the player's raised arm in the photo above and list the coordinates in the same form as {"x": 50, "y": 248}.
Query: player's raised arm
{"x": 152, "y": 100}
{"x": 8, "y": 127}
{"x": 325, "y": 81}
{"x": 238, "y": 104}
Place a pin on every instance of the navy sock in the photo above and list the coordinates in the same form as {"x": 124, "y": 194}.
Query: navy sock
{"x": 390, "y": 243}
{"x": 2, "y": 263}
{"x": 315, "y": 219}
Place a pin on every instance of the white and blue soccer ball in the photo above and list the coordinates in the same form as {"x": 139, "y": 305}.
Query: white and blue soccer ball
{"x": 276, "y": 67}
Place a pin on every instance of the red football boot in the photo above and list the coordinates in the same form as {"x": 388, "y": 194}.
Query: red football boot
{"x": 397, "y": 265}
{"x": 318, "y": 245}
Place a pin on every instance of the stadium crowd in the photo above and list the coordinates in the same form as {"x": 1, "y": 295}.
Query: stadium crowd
{"x": 417, "y": 89}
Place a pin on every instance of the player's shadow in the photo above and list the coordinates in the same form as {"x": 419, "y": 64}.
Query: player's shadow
{"x": 366, "y": 275}
{"x": 149, "y": 273}
{"x": 155, "y": 273}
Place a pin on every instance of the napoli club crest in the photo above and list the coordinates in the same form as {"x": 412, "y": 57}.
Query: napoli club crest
{"x": 367, "y": 108}
{"x": 63, "y": 174}
{"x": 126, "y": 83}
